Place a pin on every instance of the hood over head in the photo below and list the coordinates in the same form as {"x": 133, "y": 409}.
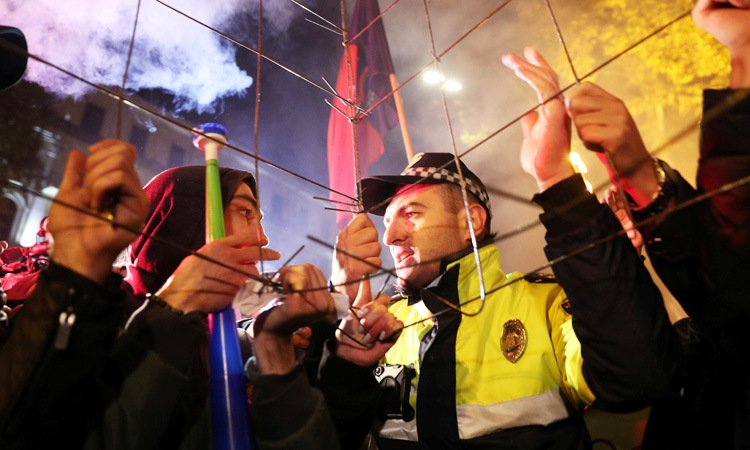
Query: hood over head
{"x": 177, "y": 214}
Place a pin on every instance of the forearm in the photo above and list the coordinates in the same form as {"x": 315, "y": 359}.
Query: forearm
{"x": 275, "y": 355}
{"x": 631, "y": 355}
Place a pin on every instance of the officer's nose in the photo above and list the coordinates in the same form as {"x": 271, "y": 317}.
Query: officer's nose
{"x": 395, "y": 232}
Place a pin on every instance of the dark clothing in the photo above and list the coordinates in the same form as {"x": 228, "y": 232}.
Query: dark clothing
{"x": 146, "y": 389}
{"x": 352, "y": 395}
{"x": 631, "y": 354}
{"x": 37, "y": 377}
{"x": 702, "y": 253}
{"x": 96, "y": 390}
{"x": 289, "y": 414}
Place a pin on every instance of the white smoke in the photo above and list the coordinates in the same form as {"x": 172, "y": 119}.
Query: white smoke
{"x": 91, "y": 38}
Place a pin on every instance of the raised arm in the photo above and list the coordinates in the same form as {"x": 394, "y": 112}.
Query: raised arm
{"x": 616, "y": 306}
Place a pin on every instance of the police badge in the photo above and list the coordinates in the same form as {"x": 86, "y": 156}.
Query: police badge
{"x": 513, "y": 340}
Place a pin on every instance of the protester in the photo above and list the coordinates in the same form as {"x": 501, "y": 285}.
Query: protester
{"x": 702, "y": 252}
{"x": 70, "y": 378}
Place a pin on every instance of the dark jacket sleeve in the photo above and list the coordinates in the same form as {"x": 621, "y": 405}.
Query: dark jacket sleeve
{"x": 352, "y": 395}
{"x": 151, "y": 390}
{"x": 101, "y": 389}
{"x": 288, "y": 414}
{"x": 45, "y": 378}
{"x": 631, "y": 353}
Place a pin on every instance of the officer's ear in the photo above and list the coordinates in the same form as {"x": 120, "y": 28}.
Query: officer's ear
{"x": 478, "y": 220}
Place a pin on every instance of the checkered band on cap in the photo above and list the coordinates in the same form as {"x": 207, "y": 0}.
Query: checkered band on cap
{"x": 451, "y": 177}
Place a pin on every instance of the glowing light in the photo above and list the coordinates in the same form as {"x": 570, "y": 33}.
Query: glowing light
{"x": 433, "y": 77}
{"x": 453, "y": 85}
{"x": 580, "y": 167}
{"x": 578, "y": 163}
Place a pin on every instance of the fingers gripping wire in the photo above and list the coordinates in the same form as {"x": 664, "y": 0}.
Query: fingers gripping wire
{"x": 708, "y": 117}
{"x": 353, "y": 312}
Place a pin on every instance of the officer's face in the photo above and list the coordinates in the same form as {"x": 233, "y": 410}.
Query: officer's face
{"x": 242, "y": 215}
{"x": 420, "y": 231}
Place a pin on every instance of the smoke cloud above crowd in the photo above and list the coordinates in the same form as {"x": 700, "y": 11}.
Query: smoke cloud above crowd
{"x": 171, "y": 53}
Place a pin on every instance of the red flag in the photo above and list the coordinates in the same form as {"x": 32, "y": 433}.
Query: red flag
{"x": 372, "y": 68}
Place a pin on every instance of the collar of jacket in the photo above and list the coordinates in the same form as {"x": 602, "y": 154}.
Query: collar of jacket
{"x": 451, "y": 273}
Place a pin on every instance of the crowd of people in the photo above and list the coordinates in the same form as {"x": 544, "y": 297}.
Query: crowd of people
{"x": 465, "y": 356}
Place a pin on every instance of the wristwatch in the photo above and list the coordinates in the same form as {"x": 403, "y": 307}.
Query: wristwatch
{"x": 661, "y": 199}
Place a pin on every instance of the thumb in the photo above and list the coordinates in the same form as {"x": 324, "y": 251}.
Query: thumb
{"x": 364, "y": 295}
{"x": 75, "y": 169}
{"x": 527, "y": 123}
{"x": 360, "y": 221}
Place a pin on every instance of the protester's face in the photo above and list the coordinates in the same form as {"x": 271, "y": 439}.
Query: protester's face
{"x": 242, "y": 215}
{"x": 419, "y": 229}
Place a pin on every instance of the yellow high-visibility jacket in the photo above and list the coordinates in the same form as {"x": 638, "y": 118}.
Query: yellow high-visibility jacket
{"x": 491, "y": 392}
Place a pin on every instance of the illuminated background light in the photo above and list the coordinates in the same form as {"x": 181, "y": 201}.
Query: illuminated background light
{"x": 433, "y": 77}
{"x": 453, "y": 85}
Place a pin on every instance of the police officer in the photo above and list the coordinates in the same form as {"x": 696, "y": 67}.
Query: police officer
{"x": 509, "y": 359}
